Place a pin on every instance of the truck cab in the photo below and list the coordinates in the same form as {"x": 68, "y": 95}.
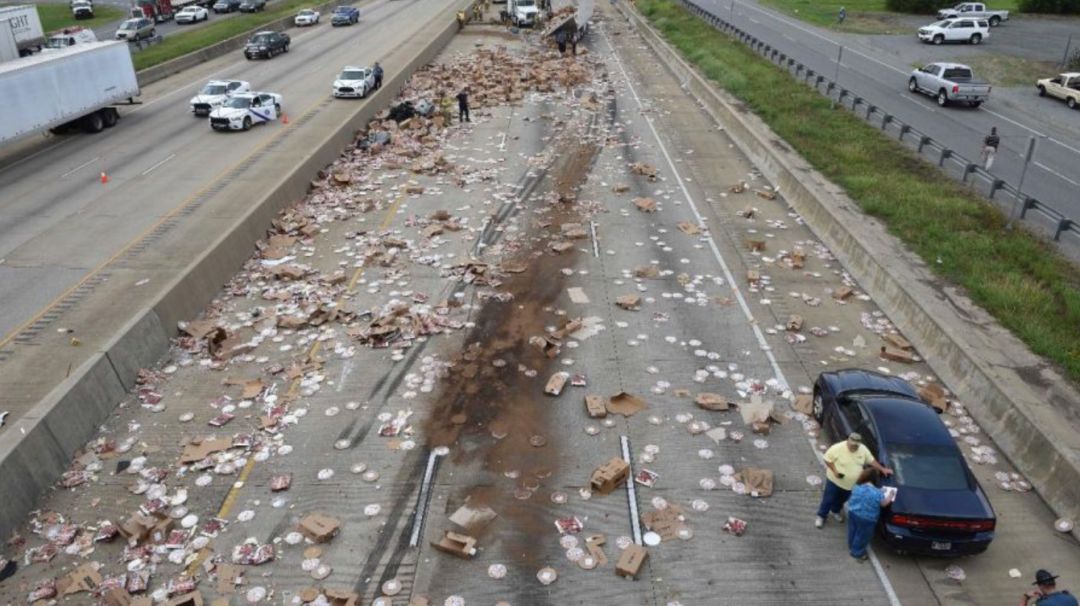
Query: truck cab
{"x": 523, "y": 12}
{"x": 1063, "y": 86}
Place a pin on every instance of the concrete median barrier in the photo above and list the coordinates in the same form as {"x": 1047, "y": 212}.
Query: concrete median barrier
{"x": 1017, "y": 397}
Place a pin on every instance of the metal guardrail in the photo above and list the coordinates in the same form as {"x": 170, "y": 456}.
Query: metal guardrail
{"x": 954, "y": 164}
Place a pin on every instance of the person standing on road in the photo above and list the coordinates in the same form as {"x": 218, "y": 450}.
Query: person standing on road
{"x": 990, "y": 147}
{"x": 378, "y": 73}
{"x": 463, "y": 105}
{"x": 447, "y": 108}
{"x": 1046, "y": 593}
{"x": 560, "y": 41}
{"x": 845, "y": 461}
{"x": 864, "y": 508}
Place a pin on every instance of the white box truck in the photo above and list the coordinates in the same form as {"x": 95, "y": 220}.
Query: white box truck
{"x": 79, "y": 86}
{"x": 26, "y": 25}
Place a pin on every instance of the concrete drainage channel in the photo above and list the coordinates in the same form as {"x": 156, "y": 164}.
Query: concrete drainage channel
{"x": 37, "y": 448}
{"x": 1013, "y": 394}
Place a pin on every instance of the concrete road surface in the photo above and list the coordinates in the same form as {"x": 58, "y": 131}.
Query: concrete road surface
{"x": 358, "y": 429}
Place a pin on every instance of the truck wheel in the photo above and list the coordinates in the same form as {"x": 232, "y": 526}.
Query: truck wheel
{"x": 1071, "y": 102}
{"x": 247, "y": 123}
{"x": 939, "y": 39}
{"x": 976, "y": 38}
{"x": 1042, "y": 91}
{"x": 995, "y": 21}
{"x": 912, "y": 85}
{"x": 93, "y": 123}
{"x": 110, "y": 116}
{"x": 942, "y": 98}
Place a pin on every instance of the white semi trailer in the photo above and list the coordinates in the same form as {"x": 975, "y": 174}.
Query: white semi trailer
{"x": 78, "y": 86}
{"x": 570, "y": 15}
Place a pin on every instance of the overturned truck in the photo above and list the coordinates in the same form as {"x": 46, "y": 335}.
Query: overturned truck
{"x": 569, "y": 16}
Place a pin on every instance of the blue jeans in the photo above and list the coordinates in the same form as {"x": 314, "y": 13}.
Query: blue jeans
{"x": 859, "y": 533}
{"x": 832, "y": 499}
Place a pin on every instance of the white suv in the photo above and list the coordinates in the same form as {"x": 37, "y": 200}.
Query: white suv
{"x": 956, "y": 30}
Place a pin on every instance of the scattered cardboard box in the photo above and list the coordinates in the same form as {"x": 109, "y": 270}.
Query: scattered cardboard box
{"x": 934, "y": 395}
{"x": 767, "y": 195}
{"x": 753, "y": 277}
{"x": 755, "y": 245}
{"x": 198, "y": 449}
{"x": 473, "y": 518}
{"x": 456, "y": 544}
{"x": 897, "y": 355}
{"x": 629, "y": 302}
{"x": 712, "y": 401}
{"x": 319, "y": 527}
{"x": 188, "y": 599}
{"x": 795, "y": 323}
{"x": 645, "y": 205}
{"x": 630, "y": 561}
{"x": 341, "y": 597}
{"x": 898, "y": 342}
{"x": 609, "y": 476}
{"x": 665, "y": 522}
{"x": 625, "y": 404}
{"x": 595, "y": 406}
{"x": 84, "y": 579}
{"x": 647, "y": 271}
{"x": 228, "y": 577}
{"x": 556, "y": 383}
{"x": 759, "y": 482}
{"x": 842, "y": 293}
{"x": 803, "y": 403}
{"x": 688, "y": 228}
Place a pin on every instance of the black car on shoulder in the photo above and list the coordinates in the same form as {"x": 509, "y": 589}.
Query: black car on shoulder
{"x": 252, "y": 6}
{"x": 266, "y": 44}
{"x": 940, "y": 508}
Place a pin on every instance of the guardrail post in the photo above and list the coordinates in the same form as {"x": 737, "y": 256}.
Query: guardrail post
{"x": 1063, "y": 225}
{"x": 923, "y": 142}
{"x": 946, "y": 153}
{"x": 995, "y": 186}
{"x": 870, "y": 109}
{"x": 969, "y": 168}
{"x": 904, "y": 129}
{"x": 1027, "y": 203}
{"x": 886, "y": 120}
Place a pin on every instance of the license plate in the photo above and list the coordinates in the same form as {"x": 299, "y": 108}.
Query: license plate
{"x": 940, "y": 546}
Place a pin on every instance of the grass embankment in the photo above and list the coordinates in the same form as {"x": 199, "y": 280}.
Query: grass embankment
{"x": 58, "y": 16}
{"x": 182, "y": 43}
{"x": 1019, "y": 279}
{"x": 863, "y": 16}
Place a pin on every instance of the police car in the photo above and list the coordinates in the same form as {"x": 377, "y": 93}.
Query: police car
{"x": 215, "y": 93}
{"x": 244, "y": 110}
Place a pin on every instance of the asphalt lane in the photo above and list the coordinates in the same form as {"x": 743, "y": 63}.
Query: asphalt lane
{"x": 881, "y": 80}
{"x": 57, "y": 221}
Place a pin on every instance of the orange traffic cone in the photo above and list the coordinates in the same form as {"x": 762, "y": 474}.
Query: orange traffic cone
{"x": 284, "y": 118}
{"x": 104, "y": 178}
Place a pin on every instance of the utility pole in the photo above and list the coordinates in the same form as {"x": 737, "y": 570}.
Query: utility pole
{"x": 836, "y": 76}
{"x": 1065, "y": 58}
{"x": 1019, "y": 188}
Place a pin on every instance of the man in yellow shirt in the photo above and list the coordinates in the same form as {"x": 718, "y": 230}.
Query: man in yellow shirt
{"x": 845, "y": 461}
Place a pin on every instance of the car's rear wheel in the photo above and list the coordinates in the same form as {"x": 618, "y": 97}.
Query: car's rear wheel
{"x": 942, "y": 98}
{"x": 286, "y": 49}
{"x": 939, "y": 39}
{"x": 247, "y": 123}
{"x": 995, "y": 21}
{"x": 976, "y": 38}
{"x": 1042, "y": 90}
{"x": 1071, "y": 102}
{"x": 819, "y": 408}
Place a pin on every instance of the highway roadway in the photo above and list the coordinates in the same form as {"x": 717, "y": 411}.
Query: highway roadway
{"x": 881, "y": 79}
{"x": 57, "y": 221}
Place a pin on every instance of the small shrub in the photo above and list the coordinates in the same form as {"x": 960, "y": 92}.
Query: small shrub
{"x": 920, "y": 7}
{"x": 1051, "y": 7}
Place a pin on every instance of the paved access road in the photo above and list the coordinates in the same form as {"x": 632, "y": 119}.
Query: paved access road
{"x": 57, "y": 221}
{"x": 881, "y": 79}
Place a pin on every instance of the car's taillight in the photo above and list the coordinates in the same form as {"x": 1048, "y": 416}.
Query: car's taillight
{"x": 924, "y": 523}
{"x": 955, "y": 88}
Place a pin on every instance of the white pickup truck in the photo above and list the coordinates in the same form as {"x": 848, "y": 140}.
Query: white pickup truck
{"x": 974, "y": 10}
{"x": 949, "y": 83}
{"x": 1063, "y": 86}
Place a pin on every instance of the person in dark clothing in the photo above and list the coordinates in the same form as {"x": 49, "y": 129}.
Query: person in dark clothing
{"x": 463, "y": 105}
{"x": 1047, "y": 593}
{"x": 990, "y": 147}
{"x": 378, "y": 75}
{"x": 573, "y": 45}
{"x": 560, "y": 40}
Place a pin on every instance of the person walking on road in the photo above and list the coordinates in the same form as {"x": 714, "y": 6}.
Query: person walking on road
{"x": 463, "y": 105}
{"x": 447, "y": 108}
{"x": 990, "y": 147}
{"x": 1046, "y": 593}
{"x": 845, "y": 461}
{"x": 378, "y": 73}
{"x": 864, "y": 508}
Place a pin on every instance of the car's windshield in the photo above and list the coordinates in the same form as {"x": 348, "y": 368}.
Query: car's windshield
{"x": 930, "y": 467}
{"x": 307, "y": 13}
{"x": 261, "y": 39}
{"x": 941, "y": 23}
{"x": 239, "y": 102}
{"x": 214, "y": 89}
{"x": 187, "y": 10}
{"x": 342, "y": 10}
{"x": 351, "y": 74}
{"x": 56, "y": 43}
{"x": 129, "y": 25}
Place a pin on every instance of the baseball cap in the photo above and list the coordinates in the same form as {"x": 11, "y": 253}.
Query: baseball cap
{"x": 855, "y": 437}
{"x": 1044, "y": 577}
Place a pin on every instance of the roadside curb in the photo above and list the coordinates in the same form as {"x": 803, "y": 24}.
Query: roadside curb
{"x": 163, "y": 70}
{"x": 36, "y": 448}
{"x": 1021, "y": 402}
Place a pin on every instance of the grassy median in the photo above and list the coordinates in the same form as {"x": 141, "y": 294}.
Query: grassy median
{"x": 182, "y": 43}
{"x": 863, "y": 16}
{"x": 58, "y": 16}
{"x": 1018, "y": 278}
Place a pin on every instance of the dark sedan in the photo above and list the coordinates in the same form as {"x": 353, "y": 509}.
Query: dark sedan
{"x": 345, "y": 15}
{"x": 252, "y": 6}
{"x": 940, "y": 509}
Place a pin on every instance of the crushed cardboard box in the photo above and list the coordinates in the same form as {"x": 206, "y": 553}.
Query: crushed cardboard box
{"x": 595, "y": 406}
{"x": 609, "y": 476}
{"x": 625, "y": 404}
{"x": 645, "y": 205}
{"x": 456, "y": 544}
{"x": 629, "y": 302}
{"x": 630, "y": 561}
{"x": 712, "y": 401}
{"x": 556, "y": 383}
{"x": 759, "y": 482}
{"x": 319, "y": 527}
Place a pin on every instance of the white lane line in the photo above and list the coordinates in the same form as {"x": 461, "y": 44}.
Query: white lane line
{"x": 885, "y": 583}
{"x": 79, "y": 167}
{"x": 1054, "y": 172}
{"x": 34, "y": 155}
{"x": 631, "y": 492}
{"x": 1010, "y": 120}
{"x": 158, "y": 165}
{"x": 762, "y": 344}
